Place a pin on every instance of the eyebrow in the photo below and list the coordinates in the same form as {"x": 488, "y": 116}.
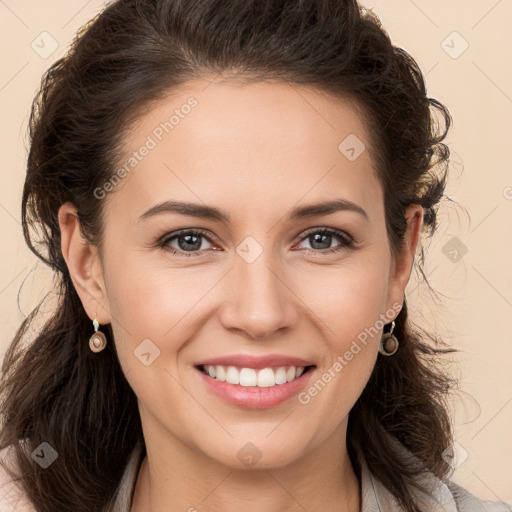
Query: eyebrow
{"x": 216, "y": 214}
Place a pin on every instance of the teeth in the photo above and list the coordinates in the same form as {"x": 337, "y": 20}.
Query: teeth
{"x": 232, "y": 375}
{"x": 266, "y": 378}
{"x": 221, "y": 373}
{"x": 280, "y": 376}
{"x": 263, "y": 378}
{"x": 248, "y": 377}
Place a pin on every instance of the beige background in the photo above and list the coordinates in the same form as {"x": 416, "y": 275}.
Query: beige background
{"x": 469, "y": 260}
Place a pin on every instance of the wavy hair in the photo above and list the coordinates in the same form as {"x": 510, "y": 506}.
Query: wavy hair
{"x": 54, "y": 389}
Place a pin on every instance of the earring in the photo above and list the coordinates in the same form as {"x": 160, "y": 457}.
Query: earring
{"x": 388, "y": 343}
{"x": 98, "y": 341}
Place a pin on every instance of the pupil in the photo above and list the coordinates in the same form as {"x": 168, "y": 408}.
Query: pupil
{"x": 188, "y": 239}
{"x": 317, "y": 238}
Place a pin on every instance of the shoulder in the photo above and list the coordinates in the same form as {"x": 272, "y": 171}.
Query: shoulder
{"x": 430, "y": 492}
{"x": 12, "y": 495}
{"x": 450, "y": 496}
{"x": 467, "y": 502}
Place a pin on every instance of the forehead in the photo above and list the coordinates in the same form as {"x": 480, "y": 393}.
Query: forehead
{"x": 263, "y": 143}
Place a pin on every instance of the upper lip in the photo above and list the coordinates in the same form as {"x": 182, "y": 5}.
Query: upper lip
{"x": 250, "y": 361}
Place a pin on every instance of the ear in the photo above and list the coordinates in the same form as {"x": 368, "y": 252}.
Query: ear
{"x": 401, "y": 265}
{"x": 84, "y": 265}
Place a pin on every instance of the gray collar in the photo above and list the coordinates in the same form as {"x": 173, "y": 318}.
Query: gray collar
{"x": 377, "y": 498}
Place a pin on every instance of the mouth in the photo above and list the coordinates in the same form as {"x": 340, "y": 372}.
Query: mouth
{"x": 254, "y": 388}
{"x": 254, "y": 377}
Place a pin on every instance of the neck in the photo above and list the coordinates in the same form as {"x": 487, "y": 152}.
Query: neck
{"x": 191, "y": 482}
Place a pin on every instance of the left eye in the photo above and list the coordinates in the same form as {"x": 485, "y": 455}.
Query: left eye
{"x": 190, "y": 242}
{"x": 324, "y": 237}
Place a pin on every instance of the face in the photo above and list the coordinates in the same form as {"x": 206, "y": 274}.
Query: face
{"x": 252, "y": 270}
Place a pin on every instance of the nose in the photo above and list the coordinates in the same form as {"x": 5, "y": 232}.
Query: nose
{"x": 260, "y": 302}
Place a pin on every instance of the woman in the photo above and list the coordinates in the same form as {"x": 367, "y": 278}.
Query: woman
{"x": 232, "y": 195}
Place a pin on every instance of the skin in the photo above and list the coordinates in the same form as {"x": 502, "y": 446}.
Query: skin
{"x": 256, "y": 151}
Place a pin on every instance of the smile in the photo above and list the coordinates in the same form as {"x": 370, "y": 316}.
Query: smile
{"x": 253, "y": 388}
{"x": 262, "y": 378}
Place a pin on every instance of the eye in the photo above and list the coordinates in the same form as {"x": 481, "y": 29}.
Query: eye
{"x": 189, "y": 242}
{"x": 321, "y": 238}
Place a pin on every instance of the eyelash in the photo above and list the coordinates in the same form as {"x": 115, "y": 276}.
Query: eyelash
{"x": 347, "y": 242}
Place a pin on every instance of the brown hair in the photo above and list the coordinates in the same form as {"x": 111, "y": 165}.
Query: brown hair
{"x": 55, "y": 389}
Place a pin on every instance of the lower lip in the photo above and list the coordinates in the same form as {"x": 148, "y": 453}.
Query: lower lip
{"x": 253, "y": 397}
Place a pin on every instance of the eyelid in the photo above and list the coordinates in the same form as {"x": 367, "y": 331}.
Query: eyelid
{"x": 319, "y": 229}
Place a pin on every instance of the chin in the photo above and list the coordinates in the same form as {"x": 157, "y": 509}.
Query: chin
{"x": 259, "y": 453}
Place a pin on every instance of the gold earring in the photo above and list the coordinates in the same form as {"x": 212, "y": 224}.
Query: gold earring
{"x": 388, "y": 343}
{"x": 98, "y": 341}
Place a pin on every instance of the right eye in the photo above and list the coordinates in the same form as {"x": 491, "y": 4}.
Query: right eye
{"x": 189, "y": 242}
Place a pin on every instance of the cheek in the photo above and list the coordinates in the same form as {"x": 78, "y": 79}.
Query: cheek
{"x": 149, "y": 309}
{"x": 148, "y": 302}
{"x": 348, "y": 303}
{"x": 156, "y": 310}
{"x": 347, "y": 299}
